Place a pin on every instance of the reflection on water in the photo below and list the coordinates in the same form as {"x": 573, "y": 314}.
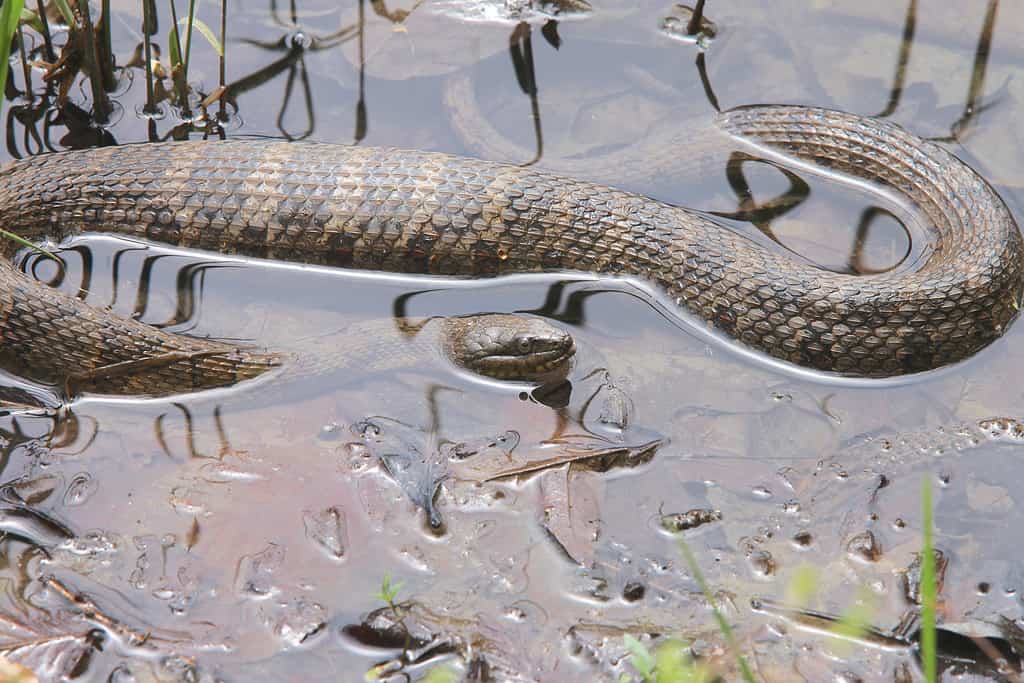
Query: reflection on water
{"x": 245, "y": 533}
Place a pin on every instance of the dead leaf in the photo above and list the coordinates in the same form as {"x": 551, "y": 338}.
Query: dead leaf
{"x": 193, "y": 534}
{"x": 411, "y": 460}
{"x": 571, "y": 509}
{"x": 591, "y": 453}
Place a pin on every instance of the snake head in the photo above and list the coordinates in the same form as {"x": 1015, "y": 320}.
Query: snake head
{"x": 509, "y": 347}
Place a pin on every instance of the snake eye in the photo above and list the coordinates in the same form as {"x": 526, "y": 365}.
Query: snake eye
{"x": 524, "y": 344}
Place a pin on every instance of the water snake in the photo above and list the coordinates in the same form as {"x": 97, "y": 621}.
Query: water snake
{"x": 425, "y": 212}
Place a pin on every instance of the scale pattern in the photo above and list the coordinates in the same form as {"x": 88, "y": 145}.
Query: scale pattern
{"x": 422, "y": 212}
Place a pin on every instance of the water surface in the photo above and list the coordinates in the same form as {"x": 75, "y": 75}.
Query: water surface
{"x": 244, "y": 534}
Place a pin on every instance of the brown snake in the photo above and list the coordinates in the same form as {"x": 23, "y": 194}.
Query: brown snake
{"x": 423, "y": 212}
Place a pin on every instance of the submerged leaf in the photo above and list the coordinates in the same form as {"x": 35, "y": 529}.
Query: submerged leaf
{"x": 418, "y": 471}
{"x": 595, "y": 454}
{"x": 572, "y": 513}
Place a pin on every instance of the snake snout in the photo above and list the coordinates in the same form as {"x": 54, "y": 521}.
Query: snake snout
{"x": 510, "y": 347}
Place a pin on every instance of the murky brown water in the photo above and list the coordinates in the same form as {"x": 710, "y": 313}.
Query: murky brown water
{"x": 243, "y": 534}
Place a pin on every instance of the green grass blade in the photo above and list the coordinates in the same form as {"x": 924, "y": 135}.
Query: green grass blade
{"x": 172, "y": 46}
{"x": 31, "y": 19}
{"x": 723, "y": 625}
{"x": 10, "y": 14}
{"x": 188, "y": 32}
{"x": 34, "y": 247}
{"x": 929, "y": 590}
{"x": 642, "y": 659}
{"x": 207, "y": 32}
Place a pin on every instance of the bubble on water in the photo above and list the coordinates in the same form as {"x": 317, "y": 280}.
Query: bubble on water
{"x": 356, "y": 456}
{"x": 181, "y": 601}
{"x": 331, "y": 431}
{"x": 81, "y": 489}
{"x": 864, "y": 547}
{"x": 225, "y": 473}
{"x": 179, "y": 668}
{"x": 188, "y": 501}
{"x": 633, "y": 591}
{"x": 163, "y": 592}
{"x": 327, "y": 529}
{"x": 255, "y": 573}
{"x": 515, "y": 613}
{"x": 366, "y": 429}
{"x": 297, "y": 621}
{"x": 416, "y": 558}
{"x": 762, "y": 563}
{"x": 803, "y": 539}
{"x": 89, "y": 551}
{"x": 298, "y": 40}
{"x": 91, "y": 544}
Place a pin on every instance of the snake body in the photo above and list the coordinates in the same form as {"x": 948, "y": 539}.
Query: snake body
{"x": 424, "y": 212}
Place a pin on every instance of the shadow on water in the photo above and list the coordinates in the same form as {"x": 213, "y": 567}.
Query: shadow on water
{"x": 248, "y": 531}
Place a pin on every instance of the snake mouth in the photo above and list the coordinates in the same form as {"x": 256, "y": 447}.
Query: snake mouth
{"x": 509, "y": 347}
{"x": 538, "y": 366}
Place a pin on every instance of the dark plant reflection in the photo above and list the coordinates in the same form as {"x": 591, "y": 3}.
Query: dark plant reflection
{"x": 974, "y": 104}
{"x": 521, "y": 52}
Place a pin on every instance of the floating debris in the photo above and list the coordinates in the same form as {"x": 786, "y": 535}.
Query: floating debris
{"x": 691, "y": 519}
{"x": 679, "y": 25}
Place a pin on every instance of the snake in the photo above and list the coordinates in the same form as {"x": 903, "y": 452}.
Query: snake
{"x": 422, "y": 212}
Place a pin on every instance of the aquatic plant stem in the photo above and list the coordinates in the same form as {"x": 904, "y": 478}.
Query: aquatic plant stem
{"x": 222, "y": 114}
{"x": 100, "y": 103}
{"x": 178, "y": 75}
{"x": 360, "y": 131}
{"x": 148, "y": 29}
{"x": 928, "y": 587}
{"x": 188, "y": 36}
{"x": 107, "y": 52}
{"x": 26, "y": 70}
{"x": 693, "y": 27}
{"x": 50, "y": 55}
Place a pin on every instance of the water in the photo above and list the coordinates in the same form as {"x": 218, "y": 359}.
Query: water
{"x": 248, "y": 531}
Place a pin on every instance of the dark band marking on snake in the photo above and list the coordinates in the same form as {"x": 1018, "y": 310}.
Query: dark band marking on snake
{"x": 423, "y": 212}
